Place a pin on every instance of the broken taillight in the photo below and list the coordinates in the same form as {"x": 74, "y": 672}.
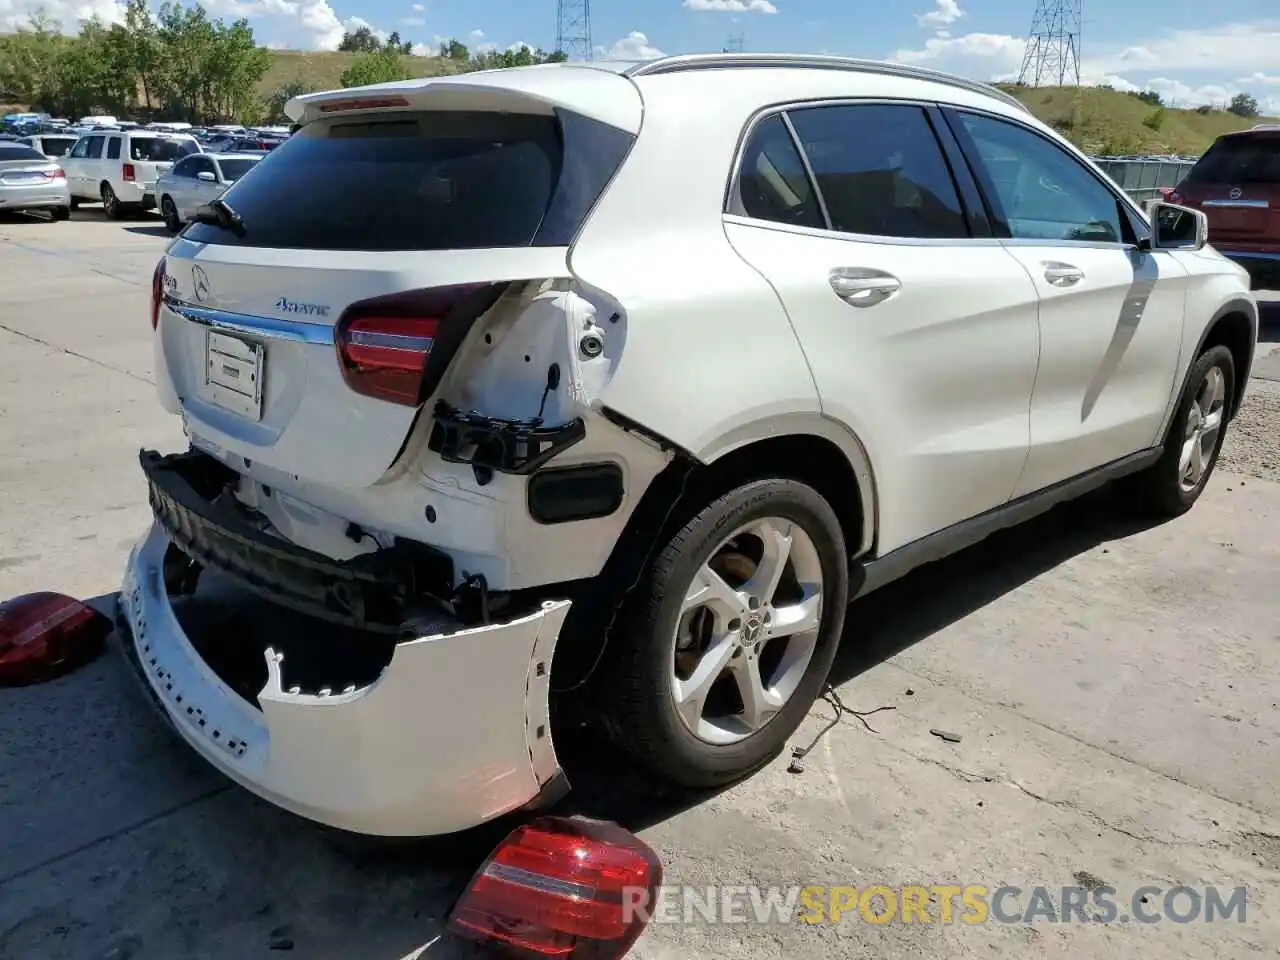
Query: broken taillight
{"x": 561, "y": 887}
{"x": 384, "y": 344}
{"x": 157, "y": 293}
{"x": 45, "y": 635}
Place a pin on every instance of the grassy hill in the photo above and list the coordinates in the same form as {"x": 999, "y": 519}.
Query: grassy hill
{"x": 1104, "y": 121}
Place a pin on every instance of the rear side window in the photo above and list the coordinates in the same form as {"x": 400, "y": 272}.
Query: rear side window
{"x": 881, "y": 171}
{"x": 772, "y": 182}
{"x": 424, "y": 181}
{"x": 113, "y": 148}
{"x": 1239, "y": 160}
{"x": 95, "y": 148}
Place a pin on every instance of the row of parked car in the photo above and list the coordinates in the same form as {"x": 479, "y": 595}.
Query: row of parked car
{"x": 173, "y": 168}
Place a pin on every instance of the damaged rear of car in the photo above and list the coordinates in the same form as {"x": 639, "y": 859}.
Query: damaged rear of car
{"x": 376, "y": 346}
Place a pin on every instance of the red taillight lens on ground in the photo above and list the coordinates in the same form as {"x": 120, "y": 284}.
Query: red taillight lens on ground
{"x": 384, "y": 344}
{"x": 157, "y": 293}
{"x": 128, "y": 172}
{"x": 561, "y": 887}
{"x": 46, "y": 635}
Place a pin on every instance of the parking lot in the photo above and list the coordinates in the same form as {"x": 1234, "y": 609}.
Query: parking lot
{"x": 1111, "y": 694}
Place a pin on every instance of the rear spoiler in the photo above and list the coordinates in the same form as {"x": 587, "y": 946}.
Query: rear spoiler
{"x": 601, "y": 95}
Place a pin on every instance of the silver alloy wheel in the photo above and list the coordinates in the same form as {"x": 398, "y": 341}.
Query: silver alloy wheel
{"x": 1204, "y": 421}
{"x": 747, "y": 630}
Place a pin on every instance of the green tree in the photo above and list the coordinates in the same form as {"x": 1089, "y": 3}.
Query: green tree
{"x": 1154, "y": 120}
{"x": 360, "y": 40}
{"x": 1151, "y": 97}
{"x": 277, "y": 101}
{"x": 1243, "y": 105}
{"x": 380, "y": 67}
{"x": 455, "y": 50}
{"x": 395, "y": 43}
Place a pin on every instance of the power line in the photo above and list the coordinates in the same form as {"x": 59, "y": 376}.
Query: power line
{"x": 573, "y": 29}
{"x": 1053, "y": 46}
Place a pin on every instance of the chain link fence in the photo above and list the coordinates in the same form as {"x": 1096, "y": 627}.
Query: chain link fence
{"x": 1143, "y": 179}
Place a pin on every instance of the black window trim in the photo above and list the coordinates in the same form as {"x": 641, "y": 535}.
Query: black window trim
{"x": 1130, "y": 216}
{"x": 979, "y": 228}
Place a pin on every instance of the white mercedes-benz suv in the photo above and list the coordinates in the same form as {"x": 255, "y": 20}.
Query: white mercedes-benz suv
{"x": 610, "y": 386}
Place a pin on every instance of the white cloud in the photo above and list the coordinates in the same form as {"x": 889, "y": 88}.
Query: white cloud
{"x": 634, "y": 46}
{"x": 419, "y": 8}
{"x": 946, "y": 12}
{"x": 475, "y": 35}
{"x": 15, "y": 14}
{"x": 731, "y": 6}
{"x": 521, "y": 45}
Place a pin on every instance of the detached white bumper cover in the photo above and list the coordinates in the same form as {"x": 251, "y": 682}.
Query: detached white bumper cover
{"x": 453, "y": 733}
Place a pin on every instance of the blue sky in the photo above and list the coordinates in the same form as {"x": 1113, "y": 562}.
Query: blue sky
{"x": 1191, "y": 50}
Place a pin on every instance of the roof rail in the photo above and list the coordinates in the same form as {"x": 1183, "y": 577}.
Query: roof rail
{"x": 712, "y": 61}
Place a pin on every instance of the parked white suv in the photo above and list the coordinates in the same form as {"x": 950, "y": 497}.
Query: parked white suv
{"x": 119, "y": 168}
{"x": 620, "y": 381}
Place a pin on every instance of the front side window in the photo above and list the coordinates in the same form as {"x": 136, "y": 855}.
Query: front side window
{"x": 235, "y": 168}
{"x": 881, "y": 171}
{"x": 772, "y": 182}
{"x": 95, "y": 148}
{"x": 81, "y": 149}
{"x": 1039, "y": 189}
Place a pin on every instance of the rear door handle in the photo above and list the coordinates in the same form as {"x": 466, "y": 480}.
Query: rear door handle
{"x": 1062, "y": 274}
{"x": 860, "y": 287}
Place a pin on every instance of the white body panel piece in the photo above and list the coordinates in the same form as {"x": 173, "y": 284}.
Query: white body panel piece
{"x": 413, "y": 754}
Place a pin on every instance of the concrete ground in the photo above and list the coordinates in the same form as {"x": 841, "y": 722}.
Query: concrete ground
{"x": 1114, "y": 689}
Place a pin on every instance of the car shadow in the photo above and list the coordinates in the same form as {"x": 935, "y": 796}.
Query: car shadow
{"x": 270, "y": 877}
{"x": 149, "y": 230}
{"x": 1269, "y": 320}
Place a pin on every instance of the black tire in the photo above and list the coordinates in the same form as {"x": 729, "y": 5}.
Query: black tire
{"x": 62, "y": 213}
{"x": 111, "y": 204}
{"x": 1159, "y": 490}
{"x": 170, "y": 214}
{"x": 75, "y": 203}
{"x": 634, "y": 685}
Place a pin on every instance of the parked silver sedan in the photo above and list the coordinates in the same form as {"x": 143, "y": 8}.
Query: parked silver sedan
{"x": 31, "y": 181}
{"x": 197, "y": 180}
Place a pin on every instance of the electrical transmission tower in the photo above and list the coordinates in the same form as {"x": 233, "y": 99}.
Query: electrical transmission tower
{"x": 573, "y": 29}
{"x": 1053, "y": 48}
{"x": 736, "y": 43}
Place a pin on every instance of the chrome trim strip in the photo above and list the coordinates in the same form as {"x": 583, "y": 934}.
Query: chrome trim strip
{"x": 268, "y": 328}
{"x": 1245, "y": 204}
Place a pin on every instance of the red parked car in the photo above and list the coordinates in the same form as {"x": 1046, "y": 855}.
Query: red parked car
{"x": 1237, "y": 183}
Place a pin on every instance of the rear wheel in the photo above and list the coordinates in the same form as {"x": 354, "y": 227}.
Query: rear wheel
{"x": 62, "y": 213}
{"x": 75, "y": 203}
{"x": 111, "y": 204}
{"x": 1171, "y": 486}
{"x": 170, "y": 214}
{"x": 730, "y": 636}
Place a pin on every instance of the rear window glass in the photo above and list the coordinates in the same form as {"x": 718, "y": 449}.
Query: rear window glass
{"x": 422, "y": 181}
{"x": 58, "y": 146}
{"x": 9, "y": 152}
{"x": 235, "y": 169}
{"x": 160, "y": 149}
{"x": 1240, "y": 160}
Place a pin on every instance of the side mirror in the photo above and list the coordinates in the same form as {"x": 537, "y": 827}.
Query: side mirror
{"x": 206, "y": 176}
{"x": 1177, "y": 228}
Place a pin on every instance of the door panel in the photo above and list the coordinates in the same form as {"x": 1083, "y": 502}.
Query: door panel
{"x": 921, "y": 339}
{"x": 1110, "y": 313}
{"x": 1109, "y": 351}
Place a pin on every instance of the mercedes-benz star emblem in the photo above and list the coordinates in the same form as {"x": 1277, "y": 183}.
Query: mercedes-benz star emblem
{"x": 751, "y": 628}
{"x": 200, "y": 283}
{"x": 1236, "y": 193}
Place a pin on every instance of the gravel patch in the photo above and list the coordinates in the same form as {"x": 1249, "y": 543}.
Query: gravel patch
{"x": 1252, "y": 446}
